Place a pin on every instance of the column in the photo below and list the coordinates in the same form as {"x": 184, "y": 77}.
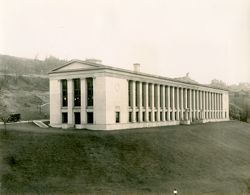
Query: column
{"x": 203, "y": 104}
{"x": 70, "y": 102}
{"x": 194, "y": 105}
{"x": 83, "y": 101}
{"x": 213, "y": 104}
{"x": 197, "y": 104}
{"x": 201, "y": 98}
{"x": 210, "y": 104}
{"x": 221, "y": 111}
{"x": 133, "y": 101}
{"x": 140, "y": 101}
{"x": 158, "y": 102}
{"x": 206, "y": 95}
{"x": 181, "y": 106}
{"x": 168, "y": 103}
{"x": 146, "y": 102}
{"x": 216, "y": 103}
{"x": 173, "y": 103}
{"x": 163, "y": 103}
{"x": 220, "y": 106}
{"x": 190, "y": 105}
{"x": 212, "y": 94}
{"x": 177, "y": 104}
{"x": 152, "y": 103}
{"x": 185, "y": 103}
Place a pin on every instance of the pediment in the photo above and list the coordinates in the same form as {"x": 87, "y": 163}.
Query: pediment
{"x": 76, "y": 66}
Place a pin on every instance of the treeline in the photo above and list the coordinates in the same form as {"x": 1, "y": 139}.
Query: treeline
{"x": 239, "y": 99}
{"x": 24, "y": 66}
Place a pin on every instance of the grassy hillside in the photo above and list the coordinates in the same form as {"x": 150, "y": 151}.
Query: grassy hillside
{"x": 199, "y": 159}
{"x": 24, "y": 85}
{"x": 24, "y": 95}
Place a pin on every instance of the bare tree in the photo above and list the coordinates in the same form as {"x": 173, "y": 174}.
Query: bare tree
{"x": 4, "y": 116}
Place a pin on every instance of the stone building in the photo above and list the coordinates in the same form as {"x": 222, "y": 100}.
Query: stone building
{"x": 87, "y": 94}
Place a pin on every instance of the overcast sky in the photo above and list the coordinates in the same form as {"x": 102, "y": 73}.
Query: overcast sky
{"x": 208, "y": 38}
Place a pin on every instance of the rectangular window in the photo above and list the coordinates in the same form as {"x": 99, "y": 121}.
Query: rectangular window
{"x": 137, "y": 94}
{"x": 155, "y": 96}
{"x": 77, "y": 92}
{"x": 77, "y": 118}
{"x": 90, "y": 117}
{"x": 155, "y": 116}
{"x": 143, "y": 94}
{"x": 117, "y": 117}
{"x": 161, "y": 116}
{"x": 171, "y": 97}
{"x": 90, "y": 92}
{"x": 64, "y": 117}
{"x": 137, "y": 116}
{"x": 166, "y": 116}
{"x": 175, "y": 97}
{"x": 161, "y": 94}
{"x": 149, "y": 95}
{"x": 64, "y": 93}
{"x": 143, "y": 117}
{"x": 149, "y": 116}
{"x": 130, "y": 117}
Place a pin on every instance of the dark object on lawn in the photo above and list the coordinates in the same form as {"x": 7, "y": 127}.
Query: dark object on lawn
{"x": 14, "y": 117}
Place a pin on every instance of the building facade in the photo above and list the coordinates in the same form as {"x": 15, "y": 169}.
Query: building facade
{"x": 86, "y": 94}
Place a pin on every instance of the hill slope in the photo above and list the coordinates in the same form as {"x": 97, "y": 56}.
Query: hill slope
{"x": 211, "y": 158}
{"x": 24, "y": 85}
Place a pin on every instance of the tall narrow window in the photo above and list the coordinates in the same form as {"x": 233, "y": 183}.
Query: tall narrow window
{"x": 137, "y": 116}
{"x": 90, "y": 117}
{"x": 155, "y": 96}
{"x": 143, "y": 117}
{"x": 64, "y": 93}
{"x": 77, "y": 92}
{"x": 130, "y": 117}
{"x": 117, "y": 117}
{"x": 143, "y": 94}
{"x": 137, "y": 94}
{"x": 129, "y": 93}
{"x": 90, "y": 91}
{"x": 149, "y": 95}
{"x": 161, "y": 93}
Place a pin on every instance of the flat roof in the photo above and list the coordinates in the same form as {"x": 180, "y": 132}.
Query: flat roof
{"x": 102, "y": 66}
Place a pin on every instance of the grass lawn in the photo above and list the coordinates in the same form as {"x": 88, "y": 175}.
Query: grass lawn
{"x": 211, "y": 158}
